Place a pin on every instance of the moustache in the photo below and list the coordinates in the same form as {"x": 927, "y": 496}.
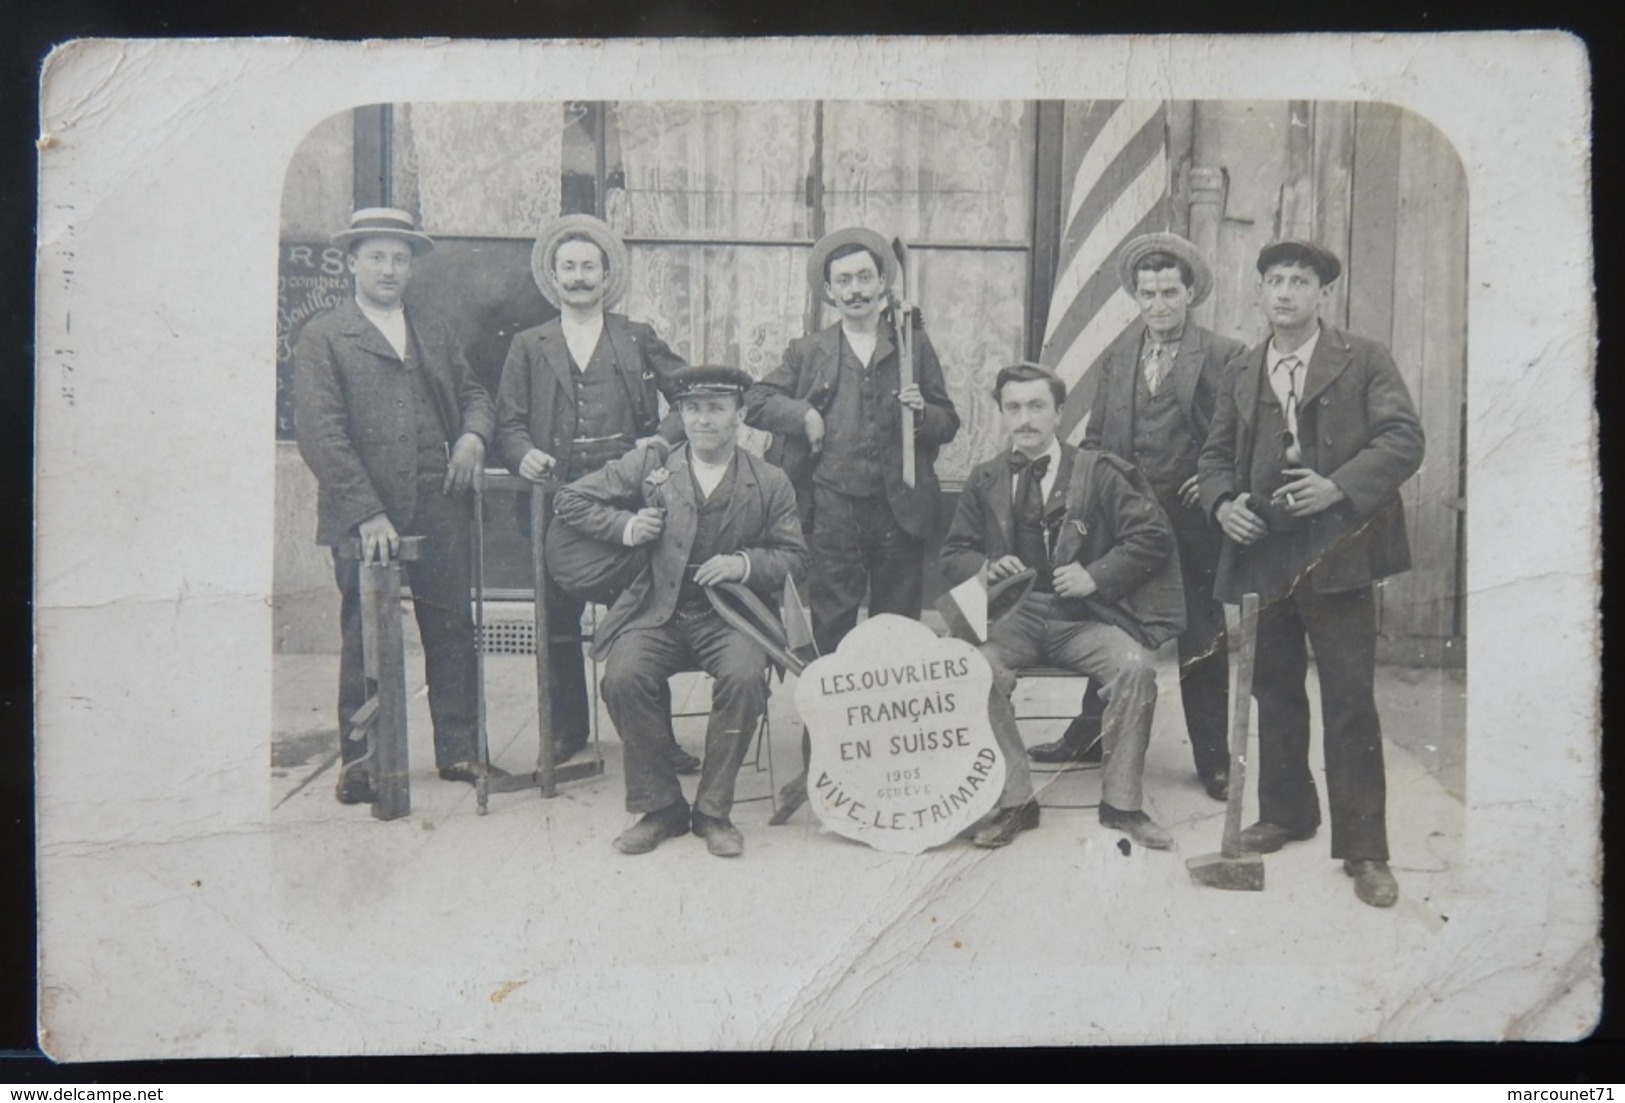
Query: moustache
{"x": 858, "y": 300}
{"x": 580, "y": 285}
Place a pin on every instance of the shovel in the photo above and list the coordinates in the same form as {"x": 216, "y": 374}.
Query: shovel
{"x": 1230, "y": 868}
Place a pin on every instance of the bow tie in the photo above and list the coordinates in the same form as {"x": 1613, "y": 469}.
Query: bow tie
{"x": 1040, "y": 466}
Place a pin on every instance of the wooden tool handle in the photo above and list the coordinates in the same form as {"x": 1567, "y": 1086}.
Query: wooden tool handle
{"x": 1240, "y": 726}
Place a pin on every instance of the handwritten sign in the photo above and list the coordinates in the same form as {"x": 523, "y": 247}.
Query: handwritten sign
{"x": 903, "y": 755}
{"x": 311, "y": 279}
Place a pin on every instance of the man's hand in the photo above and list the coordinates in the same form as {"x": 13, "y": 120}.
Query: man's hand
{"x": 721, "y": 568}
{"x": 1308, "y": 493}
{"x": 1071, "y": 580}
{"x": 911, "y": 397}
{"x": 814, "y": 423}
{"x": 1240, "y": 523}
{"x": 1189, "y": 492}
{"x": 536, "y": 465}
{"x": 466, "y": 465}
{"x": 645, "y": 526}
{"x": 1003, "y": 568}
{"x": 378, "y": 539}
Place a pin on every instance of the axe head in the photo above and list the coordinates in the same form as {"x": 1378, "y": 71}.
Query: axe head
{"x": 1244, "y": 873}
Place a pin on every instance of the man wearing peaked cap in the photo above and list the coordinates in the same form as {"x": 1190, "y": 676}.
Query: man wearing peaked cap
{"x": 1312, "y": 438}
{"x": 393, "y": 423}
{"x": 577, "y": 392}
{"x": 710, "y": 514}
{"x": 834, "y": 407}
{"x": 1153, "y": 406}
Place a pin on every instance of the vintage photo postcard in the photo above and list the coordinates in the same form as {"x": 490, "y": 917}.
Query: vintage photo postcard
{"x": 813, "y": 544}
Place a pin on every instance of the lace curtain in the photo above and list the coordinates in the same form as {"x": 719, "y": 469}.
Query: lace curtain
{"x": 479, "y": 169}
{"x": 932, "y": 172}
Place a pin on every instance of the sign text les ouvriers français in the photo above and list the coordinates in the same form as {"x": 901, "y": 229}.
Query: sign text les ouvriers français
{"x": 903, "y": 756}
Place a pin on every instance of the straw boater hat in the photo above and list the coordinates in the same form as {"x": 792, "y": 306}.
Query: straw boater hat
{"x": 1137, "y": 249}
{"x": 1298, "y": 251}
{"x": 541, "y": 257}
{"x": 827, "y": 244}
{"x": 384, "y": 222}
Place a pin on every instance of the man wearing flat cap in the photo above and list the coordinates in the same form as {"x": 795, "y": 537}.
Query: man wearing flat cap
{"x": 577, "y": 392}
{"x": 835, "y": 408}
{"x": 711, "y": 513}
{"x": 1153, "y": 406}
{"x": 1310, "y": 443}
{"x": 393, "y": 424}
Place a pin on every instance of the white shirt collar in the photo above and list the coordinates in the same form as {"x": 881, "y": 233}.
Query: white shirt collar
{"x": 1304, "y": 352}
{"x": 582, "y": 337}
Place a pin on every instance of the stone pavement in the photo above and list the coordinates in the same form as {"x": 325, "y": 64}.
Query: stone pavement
{"x": 1066, "y": 937}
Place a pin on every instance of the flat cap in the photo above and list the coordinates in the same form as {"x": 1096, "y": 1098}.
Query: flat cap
{"x": 1298, "y": 251}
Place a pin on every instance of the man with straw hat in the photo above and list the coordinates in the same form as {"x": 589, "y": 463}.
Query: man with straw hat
{"x": 577, "y": 392}
{"x": 835, "y": 407}
{"x": 393, "y": 423}
{"x": 1153, "y": 405}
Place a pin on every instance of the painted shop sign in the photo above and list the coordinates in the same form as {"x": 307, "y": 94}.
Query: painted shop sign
{"x": 903, "y": 755}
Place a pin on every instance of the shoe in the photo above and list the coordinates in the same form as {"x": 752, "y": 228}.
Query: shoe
{"x": 461, "y": 771}
{"x": 645, "y": 835}
{"x": 1006, "y": 824}
{"x": 355, "y": 787}
{"x": 1373, "y": 883}
{"x": 1218, "y": 786}
{"x": 1079, "y": 743}
{"x": 1267, "y": 838}
{"x": 721, "y": 837}
{"x": 1137, "y": 826}
{"x": 682, "y": 761}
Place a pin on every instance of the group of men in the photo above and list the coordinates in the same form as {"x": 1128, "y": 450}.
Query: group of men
{"x": 1206, "y": 471}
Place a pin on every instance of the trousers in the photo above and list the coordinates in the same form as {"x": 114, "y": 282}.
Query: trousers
{"x": 858, "y": 549}
{"x": 1032, "y": 635}
{"x": 637, "y": 695}
{"x": 1342, "y": 629}
{"x": 440, "y": 599}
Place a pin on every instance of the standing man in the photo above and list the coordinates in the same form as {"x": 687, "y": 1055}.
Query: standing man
{"x": 1153, "y": 407}
{"x": 394, "y": 424}
{"x": 1310, "y": 443}
{"x": 577, "y": 392}
{"x": 835, "y": 407}
{"x": 712, "y": 513}
{"x": 1107, "y": 592}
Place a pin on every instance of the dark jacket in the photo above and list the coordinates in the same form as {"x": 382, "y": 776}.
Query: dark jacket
{"x": 1358, "y": 427}
{"x": 760, "y": 521}
{"x": 536, "y": 396}
{"x": 806, "y": 380}
{"x": 1201, "y": 369}
{"x": 1109, "y": 522}
{"x": 354, "y": 413}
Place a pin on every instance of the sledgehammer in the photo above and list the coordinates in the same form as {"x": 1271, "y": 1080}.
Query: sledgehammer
{"x": 1230, "y": 868}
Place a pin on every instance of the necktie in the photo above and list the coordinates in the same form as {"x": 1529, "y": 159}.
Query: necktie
{"x": 1028, "y": 516}
{"x": 1156, "y": 366}
{"x": 1292, "y": 366}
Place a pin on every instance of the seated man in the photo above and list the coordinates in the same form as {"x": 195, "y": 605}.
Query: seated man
{"x": 1107, "y": 592}
{"x": 714, "y": 514}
